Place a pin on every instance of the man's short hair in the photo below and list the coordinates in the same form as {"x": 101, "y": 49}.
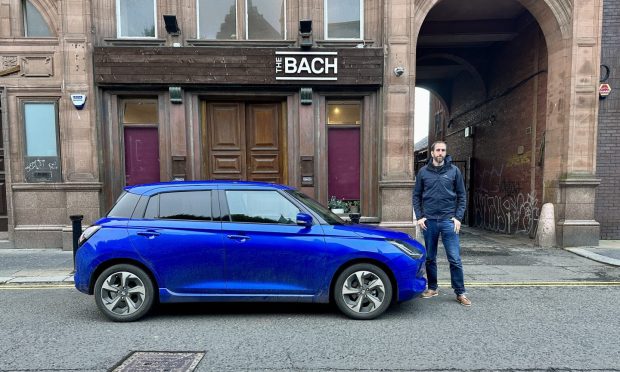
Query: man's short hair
{"x": 436, "y": 142}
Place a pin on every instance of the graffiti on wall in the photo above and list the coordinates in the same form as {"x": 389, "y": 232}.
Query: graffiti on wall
{"x": 508, "y": 214}
{"x": 501, "y": 206}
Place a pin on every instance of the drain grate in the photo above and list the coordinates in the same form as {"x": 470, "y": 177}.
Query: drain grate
{"x": 172, "y": 361}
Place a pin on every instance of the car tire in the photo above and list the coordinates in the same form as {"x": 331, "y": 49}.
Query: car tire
{"x": 363, "y": 291}
{"x": 124, "y": 293}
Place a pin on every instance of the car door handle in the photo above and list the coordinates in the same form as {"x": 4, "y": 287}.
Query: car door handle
{"x": 238, "y": 237}
{"x": 150, "y": 234}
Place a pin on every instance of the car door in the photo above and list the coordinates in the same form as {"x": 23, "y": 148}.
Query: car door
{"x": 266, "y": 251}
{"x": 180, "y": 236}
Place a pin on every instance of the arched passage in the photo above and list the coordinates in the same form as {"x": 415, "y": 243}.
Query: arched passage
{"x": 490, "y": 61}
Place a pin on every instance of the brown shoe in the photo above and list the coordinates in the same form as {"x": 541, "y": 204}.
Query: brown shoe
{"x": 463, "y": 300}
{"x": 430, "y": 293}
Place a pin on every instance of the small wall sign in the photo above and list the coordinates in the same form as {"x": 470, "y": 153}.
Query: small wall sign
{"x": 604, "y": 90}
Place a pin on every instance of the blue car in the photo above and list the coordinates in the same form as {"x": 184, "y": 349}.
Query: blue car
{"x": 240, "y": 241}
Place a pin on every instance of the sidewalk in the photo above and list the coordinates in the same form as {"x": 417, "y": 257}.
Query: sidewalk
{"x": 487, "y": 259}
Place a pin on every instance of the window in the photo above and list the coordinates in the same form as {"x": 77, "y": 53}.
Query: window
{"x": 185, "y": 205}
{"x": 136, "y": 18}
{"x": 266, "y": 19}
{"x": 217, "y": 19}
{"x": 125, "y": 205}
{"x": 41, "y": 160}
{"x": 261, "y": 207}
{"x": 34, "y": 23}
{"x": 344, "y": 19}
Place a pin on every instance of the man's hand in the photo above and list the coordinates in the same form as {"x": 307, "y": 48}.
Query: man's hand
{"x": 422, "y": 223}
{"x": 457, "y": 225}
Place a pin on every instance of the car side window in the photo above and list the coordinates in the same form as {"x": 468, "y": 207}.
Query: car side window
{"x": 183, "y": 205}
{"x": 260, "y": 207}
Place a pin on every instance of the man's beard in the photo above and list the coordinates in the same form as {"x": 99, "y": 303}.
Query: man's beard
{"x": 438, "y": 159}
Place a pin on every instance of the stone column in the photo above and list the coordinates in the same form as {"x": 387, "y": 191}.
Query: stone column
{"x": 396, "y": 182}
{"x": 576, "y": 225}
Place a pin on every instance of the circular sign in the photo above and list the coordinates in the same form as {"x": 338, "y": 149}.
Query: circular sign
{"x": 604, "y": 90}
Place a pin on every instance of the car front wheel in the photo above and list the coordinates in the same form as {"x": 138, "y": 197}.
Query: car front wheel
{"x": 124, "y": 293}
{"x": 363, "y": 291}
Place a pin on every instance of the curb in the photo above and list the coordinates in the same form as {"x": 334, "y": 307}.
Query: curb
{"x": 594, "y": 256}
{"x": 57, "y": 279}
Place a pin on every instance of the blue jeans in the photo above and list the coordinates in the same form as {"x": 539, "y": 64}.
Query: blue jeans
{"x": 450, "y": 240}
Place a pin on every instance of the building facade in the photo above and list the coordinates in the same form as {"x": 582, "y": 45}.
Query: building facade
{"x": 608, "y": 143}
{"x": 246, "y": 89}
{"x": 50, "y": 165}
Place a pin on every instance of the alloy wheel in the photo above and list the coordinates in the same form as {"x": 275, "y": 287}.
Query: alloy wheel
{"x": 363, "y": 292}
{"x": 123, "y": 293}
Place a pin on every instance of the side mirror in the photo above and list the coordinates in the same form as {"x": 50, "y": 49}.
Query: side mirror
{"x": 304, "y": 219}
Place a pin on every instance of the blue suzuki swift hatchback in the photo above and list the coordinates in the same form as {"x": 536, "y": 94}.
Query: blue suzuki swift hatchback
{"x": 240, "y": 241}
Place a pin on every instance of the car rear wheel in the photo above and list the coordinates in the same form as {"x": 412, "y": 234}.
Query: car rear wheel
{"x": 363, "y": 291}
{"x": 124, "y": 293}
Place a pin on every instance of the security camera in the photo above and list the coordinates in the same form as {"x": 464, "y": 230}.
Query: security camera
{"x": 398, "y": 71}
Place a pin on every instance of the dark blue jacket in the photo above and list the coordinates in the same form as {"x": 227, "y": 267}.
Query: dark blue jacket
{"x": 439, "y": 194}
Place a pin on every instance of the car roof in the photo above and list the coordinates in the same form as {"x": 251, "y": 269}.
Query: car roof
{"x": 180, "y": 185}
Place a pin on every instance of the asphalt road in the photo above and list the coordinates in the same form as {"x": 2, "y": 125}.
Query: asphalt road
{"x": 507, "y": 329}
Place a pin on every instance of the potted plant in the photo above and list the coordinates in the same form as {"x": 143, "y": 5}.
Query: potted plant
{"x": 354, "y": 206}
{"x": 336, "y": 205}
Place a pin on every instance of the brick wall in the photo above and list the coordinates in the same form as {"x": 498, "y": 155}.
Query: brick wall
{"x": 607, "y": 209}
{"x": 505, "y": 106}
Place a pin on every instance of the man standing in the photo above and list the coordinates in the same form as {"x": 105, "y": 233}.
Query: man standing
{"x": 439, "y": 203}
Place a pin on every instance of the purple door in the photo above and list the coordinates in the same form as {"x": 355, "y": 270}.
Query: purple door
{"x": 343, "y": 161}
{"x": 141, "y": 155}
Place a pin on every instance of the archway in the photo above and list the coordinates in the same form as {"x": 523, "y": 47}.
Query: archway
{"x": 491, "y": 64}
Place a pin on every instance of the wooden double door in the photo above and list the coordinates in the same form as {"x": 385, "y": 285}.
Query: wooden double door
{"x": 243, "y": 141}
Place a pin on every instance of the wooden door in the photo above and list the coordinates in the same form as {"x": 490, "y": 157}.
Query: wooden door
{"x": 242, "y": 141}
{"x": 263, "y": 151}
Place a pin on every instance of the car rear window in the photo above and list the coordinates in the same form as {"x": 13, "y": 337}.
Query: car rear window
{"x": 185, "y": 205}
{"x": 124, "y": 205}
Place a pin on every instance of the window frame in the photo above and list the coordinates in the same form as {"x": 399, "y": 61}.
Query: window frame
{"x": 118, "y": 22}
{"x": 198, "y": 37}
{"x": 247, "y": 26}
{"x": 43, "y": 100}
{"x": 326, "y": 24}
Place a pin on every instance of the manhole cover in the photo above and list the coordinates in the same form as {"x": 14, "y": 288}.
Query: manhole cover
{"x": 159, "y": 361}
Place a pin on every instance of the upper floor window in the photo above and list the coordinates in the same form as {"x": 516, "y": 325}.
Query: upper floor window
{"x": 42, "y": 157}
{"x": 266, "y": 19}
{"x": 136, "y": 18}
{"x": 34, "y": 23}
{"x": 217, "y": 19}
{"x": 344, "y": 19}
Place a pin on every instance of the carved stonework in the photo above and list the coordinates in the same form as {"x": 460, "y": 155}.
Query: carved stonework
{"x": 7, "y": 62}
{"x": 37, "y": 66}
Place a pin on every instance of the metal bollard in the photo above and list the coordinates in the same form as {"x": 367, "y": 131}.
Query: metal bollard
{"x": 355, "y": 217}
{"x": 76, "y": 228}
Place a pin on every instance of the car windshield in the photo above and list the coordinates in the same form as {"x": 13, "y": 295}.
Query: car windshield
{"x": 318, "y": 208}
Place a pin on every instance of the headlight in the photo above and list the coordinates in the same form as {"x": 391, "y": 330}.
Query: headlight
{"x": 88, "y": 233}
{"x": 409, "y": 249}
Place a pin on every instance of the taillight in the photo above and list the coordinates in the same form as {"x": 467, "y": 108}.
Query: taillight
{"x": 90, "y": 231}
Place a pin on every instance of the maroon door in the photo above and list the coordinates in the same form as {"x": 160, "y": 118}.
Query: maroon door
{"x": 141, "y": 155}
{"x": 343, "y": 163}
